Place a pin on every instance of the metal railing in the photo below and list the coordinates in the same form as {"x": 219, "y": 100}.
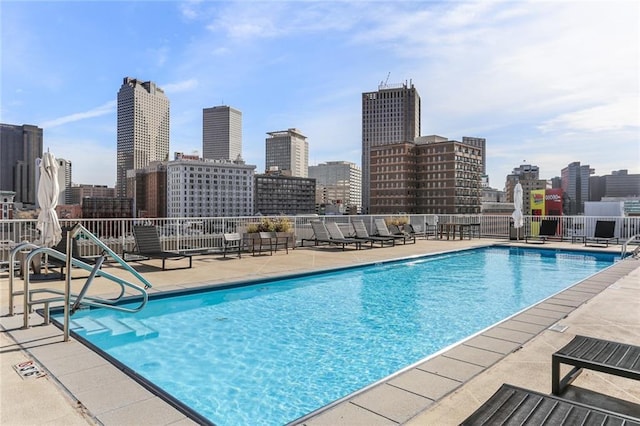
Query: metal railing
{"x": 206, "y": 234}
{"x": 625, "y": 245}
{"x": 31, "y": 251}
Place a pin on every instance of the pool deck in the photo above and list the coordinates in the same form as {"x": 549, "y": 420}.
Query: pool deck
{"x": 82, "y": 388}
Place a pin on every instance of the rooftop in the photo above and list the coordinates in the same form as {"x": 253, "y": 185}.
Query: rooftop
{"x": 80, "y": 387}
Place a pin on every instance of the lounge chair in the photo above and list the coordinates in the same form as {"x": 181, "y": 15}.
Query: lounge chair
{"x": 594, "y": 354}
{"x": 363, "y": 234}
{"x": 336, "y": 234}
{"x": 548, "y": 228}
{"x": 512, "y": 405}
{"x": 395, "y": 231}
{"x": 149, "y": 247}
{"x": 415, "y": 231}
{"x": 383, "y": 231}
{"x": 603, "y": 234}
{"x": 321, "y": 235}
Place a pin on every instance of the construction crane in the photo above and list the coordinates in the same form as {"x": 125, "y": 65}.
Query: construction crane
{"x": 383, "y": 84}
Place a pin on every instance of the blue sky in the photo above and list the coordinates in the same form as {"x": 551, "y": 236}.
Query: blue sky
{"x": 545, "y": 82}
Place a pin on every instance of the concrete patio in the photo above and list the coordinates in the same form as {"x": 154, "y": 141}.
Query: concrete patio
{"x": 81, "y": 387}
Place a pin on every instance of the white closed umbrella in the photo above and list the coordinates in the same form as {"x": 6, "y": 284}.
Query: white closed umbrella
{"x": 518, "y": 218}
{"x": 48, "y": 191}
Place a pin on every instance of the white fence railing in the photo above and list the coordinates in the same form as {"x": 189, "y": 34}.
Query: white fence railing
{"x": 206, "y": 233}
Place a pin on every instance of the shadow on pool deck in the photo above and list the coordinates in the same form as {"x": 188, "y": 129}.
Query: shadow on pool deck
{"x": 81, "y": 387}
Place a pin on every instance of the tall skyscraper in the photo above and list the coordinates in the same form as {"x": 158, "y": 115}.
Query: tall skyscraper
{"x": 143, "y": 128}
{"x": 20, "y": 145}
{"x": 389, "y": 116}
{"x": 575, "y": 184}
{"x": 64, "y": 181}
{"x": 221, "y": 133}
{"x": 288, "y": 151}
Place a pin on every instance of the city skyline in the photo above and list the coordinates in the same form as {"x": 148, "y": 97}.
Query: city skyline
{"x": 546, "y": 83}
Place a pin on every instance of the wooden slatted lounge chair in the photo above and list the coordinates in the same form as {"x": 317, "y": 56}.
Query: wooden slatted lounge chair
{"x": 232, "y": 241}
{"x": 363, "y": 234}
{"x": 336, "y": 234}
{"x": 548, "y": 229}
{"x": 321, "y": 236}
{"x": 594, "y": 354}
{"x": 148, "y": 246}
{"x": 383, "y": 231}
{"x": 512, "y": 405}
{"x": 603, "y": 234}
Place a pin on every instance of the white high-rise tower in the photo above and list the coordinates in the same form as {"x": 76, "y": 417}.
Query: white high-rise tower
{"x": 143, "y": 128}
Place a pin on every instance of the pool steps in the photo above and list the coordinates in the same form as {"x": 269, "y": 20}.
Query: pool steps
{"x": 112, "y": 327}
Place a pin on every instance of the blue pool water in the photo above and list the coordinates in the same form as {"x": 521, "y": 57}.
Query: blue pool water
{"x": 272, "y": 352}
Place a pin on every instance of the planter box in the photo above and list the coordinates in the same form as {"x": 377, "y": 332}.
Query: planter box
{"x": 251, "y": 241}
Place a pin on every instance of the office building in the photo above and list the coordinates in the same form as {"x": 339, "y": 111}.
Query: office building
{"x": 279, "y": 194}
{"x": 20, "y": 146}
{"x": 148, "y": 189}
{"x": 143, "y": 128}
{"x": 575, "y": 185}
{"x": 6, "y": 204}
{"x": 432, "y": 175}
{"x": 390, "y": 116}
{"x": 448, "y": 176}
{"x": 288, "y": 152}
{"x": 529, "y": 177}
{"x": 221, "y": 133}
{"x": 618, "y": 184}
{"x": 82, "y": 191}
{"x": 64, "y": 181}
{"x": 106, "y": 208}
{"x": 209, "y": 188}
{"x": 482, "y": 144}
{"x": 338, "y": 184}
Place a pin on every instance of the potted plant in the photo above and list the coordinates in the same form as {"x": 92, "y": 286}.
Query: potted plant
{"x": 252, "y": 237}
{"x": 398, "y": 221}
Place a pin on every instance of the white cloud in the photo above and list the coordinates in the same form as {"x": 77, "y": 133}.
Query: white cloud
{"x": 612, "y": 116}
{"x": 97, "y": 169}
{"x": 189, "y": 9}
{"x": 107, "y": 108}
{"x": 257, "y": 20}
{"x": 181, "y": 86}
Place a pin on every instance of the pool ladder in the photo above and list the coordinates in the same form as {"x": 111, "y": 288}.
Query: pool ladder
{"x": 72, "y": 301}
{"x": 636, "y": 252}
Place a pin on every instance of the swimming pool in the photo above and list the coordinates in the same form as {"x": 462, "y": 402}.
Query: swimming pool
{"x": 271, "y": 352}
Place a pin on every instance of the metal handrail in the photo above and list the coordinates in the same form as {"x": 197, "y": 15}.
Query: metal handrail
{"x": 67, "y": 295}
{"x": 12, "y": 271}
{"x": 623, "y": 252}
